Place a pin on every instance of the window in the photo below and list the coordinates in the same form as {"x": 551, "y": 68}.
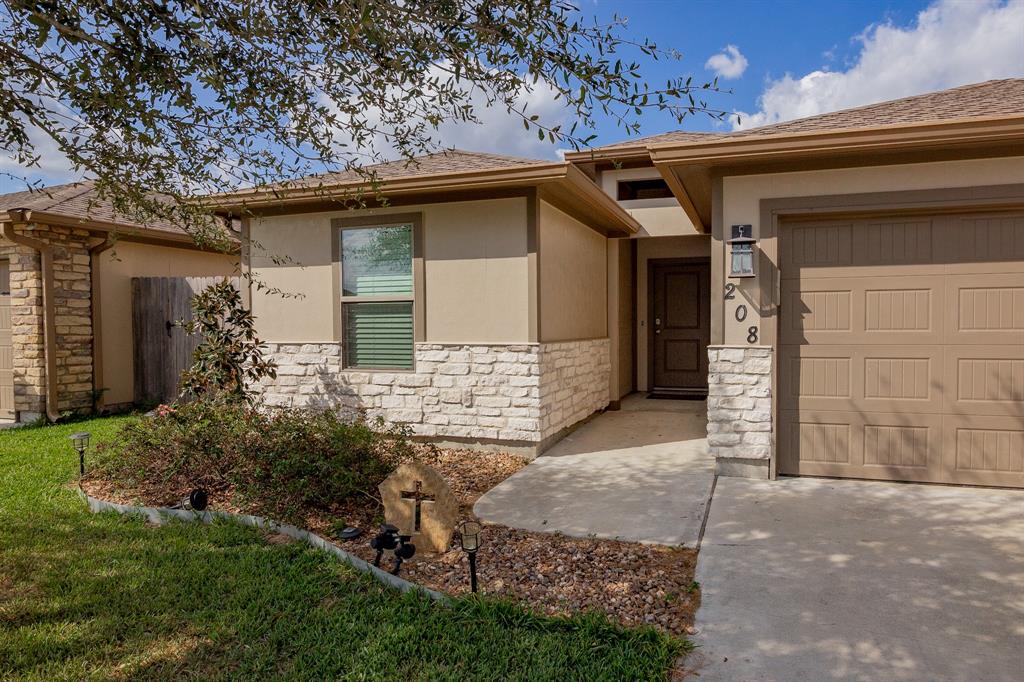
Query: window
{"x": 377, "y": 296}
{"x": 653, "y": 188}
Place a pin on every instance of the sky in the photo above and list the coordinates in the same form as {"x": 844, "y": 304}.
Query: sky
{"x": 778, "y": 60}
{"x": 786, "y": 59}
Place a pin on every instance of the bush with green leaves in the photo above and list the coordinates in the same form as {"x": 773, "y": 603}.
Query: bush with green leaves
{"x": 229, "y": 359}
{"x": 286, "y": 464}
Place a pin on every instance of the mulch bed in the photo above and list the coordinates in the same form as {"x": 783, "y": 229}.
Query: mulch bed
{"x": 633, "y": 583}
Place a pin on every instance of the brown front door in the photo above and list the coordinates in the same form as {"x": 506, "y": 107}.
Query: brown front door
{"x": 680, "y": 327}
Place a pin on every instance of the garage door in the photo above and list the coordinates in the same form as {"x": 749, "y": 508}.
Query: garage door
{"x": 901, "y": 348}
{"x": 6, "y": 352}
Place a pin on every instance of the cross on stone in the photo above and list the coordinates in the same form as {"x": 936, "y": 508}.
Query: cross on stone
{"x": 418, "y": 497}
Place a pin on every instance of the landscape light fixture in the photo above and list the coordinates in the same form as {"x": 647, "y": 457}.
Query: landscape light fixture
{"x": 469, "y": 540}
{"x": 350, "y": 533}
{"x": 385, "y": 540}
{"x": 197, "y": 500}
{"x": 741, "y": 251}
{"x": 405, "y": 550}
{"x": 80, "y": 441}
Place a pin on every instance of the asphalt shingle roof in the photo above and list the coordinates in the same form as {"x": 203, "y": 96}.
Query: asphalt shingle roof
{"x": 978, "y": 100}
{"x": 75, "y": 200}
{"x": 438, "y": 163}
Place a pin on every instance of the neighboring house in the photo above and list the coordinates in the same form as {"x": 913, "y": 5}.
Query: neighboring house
{"x": 502, "y": 301}
{"x": 66, "y": 264}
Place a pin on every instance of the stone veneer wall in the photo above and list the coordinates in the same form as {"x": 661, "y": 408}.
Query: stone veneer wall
{"x": 574, "y": 380}
{"x": 740, "y": 409}
{"x": 73, "y": 320}
{"x": 517, "y": 393}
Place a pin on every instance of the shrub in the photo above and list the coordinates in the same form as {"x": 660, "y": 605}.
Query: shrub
{"x": 286, "y": 464}
{"x": 229, "y": 358}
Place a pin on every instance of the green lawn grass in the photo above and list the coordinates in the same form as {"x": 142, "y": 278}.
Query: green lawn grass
{"x": 86, "y": 596}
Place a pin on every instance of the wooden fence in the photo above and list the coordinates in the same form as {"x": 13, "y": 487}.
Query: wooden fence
{"x": 162, "y": 348}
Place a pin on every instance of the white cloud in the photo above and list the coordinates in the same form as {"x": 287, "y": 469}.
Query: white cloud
{"x": 951, "y": 43}
{"x": 727, "y": 64}
{"x": 497, "y": 130}
{"x": 502, "y": 132}
{"x": 53, "y": 166}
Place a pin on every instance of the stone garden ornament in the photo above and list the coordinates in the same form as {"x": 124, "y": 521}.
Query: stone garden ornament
{"x": 419, "y": 502}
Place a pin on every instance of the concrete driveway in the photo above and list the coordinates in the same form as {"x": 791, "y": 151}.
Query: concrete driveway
{"x": 810, "y": 579}
{"x": 641, "y": 474}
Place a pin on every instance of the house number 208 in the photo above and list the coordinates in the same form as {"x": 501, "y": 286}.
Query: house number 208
{"x": 741, "y": 312}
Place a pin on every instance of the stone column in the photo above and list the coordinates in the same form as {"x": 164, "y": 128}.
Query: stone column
{"x": 73, "y": 320}
{"x": 28, "y": 359}
{"x": 740, "y": 410}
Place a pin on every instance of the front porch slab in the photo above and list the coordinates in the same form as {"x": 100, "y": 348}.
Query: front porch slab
{"x": 642, "y": 474}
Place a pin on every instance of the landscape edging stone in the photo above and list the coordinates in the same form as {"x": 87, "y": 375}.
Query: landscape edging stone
{"x": 160, "y": 515}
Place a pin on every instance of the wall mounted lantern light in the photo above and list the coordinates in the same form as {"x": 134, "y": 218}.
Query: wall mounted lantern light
{"x": 741, "y": 251}
{"x": 80, "y": 441}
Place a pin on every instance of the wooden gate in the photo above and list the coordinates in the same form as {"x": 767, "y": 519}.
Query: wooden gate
{"x": 162, "y": 349}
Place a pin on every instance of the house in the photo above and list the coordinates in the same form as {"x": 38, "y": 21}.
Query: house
{"x": 847, "y": 290}
{"x": 66, "y": 264}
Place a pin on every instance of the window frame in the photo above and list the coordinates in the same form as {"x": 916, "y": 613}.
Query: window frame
{"x": 339, "y": 300}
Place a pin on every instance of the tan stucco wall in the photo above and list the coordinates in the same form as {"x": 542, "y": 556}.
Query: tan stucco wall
{"x": 573, "y": 278}
{"x": 697, "y": 246}
{"x": 659, "y": 217}
{"x": 620, "y": 316}
{"x": 742, "y": 196}
{"x": 117, "y": 266}
{"x": 475, "y": 272}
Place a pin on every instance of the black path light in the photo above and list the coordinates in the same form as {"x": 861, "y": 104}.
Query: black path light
{"x": 197, "y": 500}
{"x": 80, "y": 441}
{"x": 389, "y": 540}
{"x": 469, "y": 540}
{"x": 405, "y": 550}
{"x": 385, "y": 540}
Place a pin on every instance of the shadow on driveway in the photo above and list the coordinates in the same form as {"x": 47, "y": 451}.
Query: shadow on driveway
{"x": 812, "y": 579}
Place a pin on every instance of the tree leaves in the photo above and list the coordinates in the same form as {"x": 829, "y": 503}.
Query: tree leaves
{"x": 167, "y": 101}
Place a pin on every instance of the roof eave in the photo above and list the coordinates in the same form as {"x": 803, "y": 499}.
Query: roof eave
{"x": 630, "y": 153}
{"x": 894, "y": 137}
{"x": 562, "y": 180}
{"x": 123, "y": 231}
{"x": 687, "y": 167}
{"x": 418, "y": 184}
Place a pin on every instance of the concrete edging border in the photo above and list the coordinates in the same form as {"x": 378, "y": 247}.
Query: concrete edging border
{"x": 160, "y": 516}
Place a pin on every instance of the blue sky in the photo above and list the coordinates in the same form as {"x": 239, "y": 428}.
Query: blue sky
{"x": 837, "y": 53}
{"x": 775, "y": 37}
{"x": 788, "y": 59}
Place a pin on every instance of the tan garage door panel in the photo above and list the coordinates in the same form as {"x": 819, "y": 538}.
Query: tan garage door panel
{"x": 901, "y": 350}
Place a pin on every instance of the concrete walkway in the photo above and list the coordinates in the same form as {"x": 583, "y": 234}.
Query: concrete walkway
{"x": 641, "y": 474}
{"x": 810, "y": 579}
